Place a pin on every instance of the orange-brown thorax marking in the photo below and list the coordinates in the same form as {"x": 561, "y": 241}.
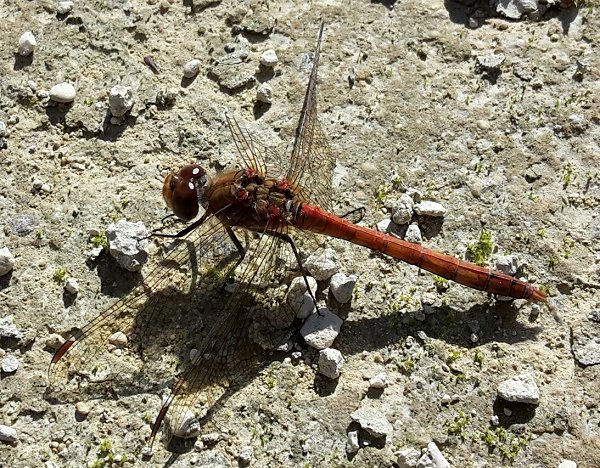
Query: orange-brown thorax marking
{"x": 248, "y": 199}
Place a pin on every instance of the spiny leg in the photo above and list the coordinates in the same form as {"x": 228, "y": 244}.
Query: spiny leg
{"x": 290, "y": 241}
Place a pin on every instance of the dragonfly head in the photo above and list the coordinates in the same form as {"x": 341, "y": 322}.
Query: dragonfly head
{"x": 183, "y": 189}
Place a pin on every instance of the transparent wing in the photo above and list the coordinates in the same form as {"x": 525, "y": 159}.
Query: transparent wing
{"x": 254, "y": 320}
{"x": 312, "y": 162}
{"x": 255, "y": 154}
{"x": 99, "y": 354}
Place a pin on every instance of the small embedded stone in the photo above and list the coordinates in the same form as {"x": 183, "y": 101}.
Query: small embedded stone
{"x": 27, "y": 44}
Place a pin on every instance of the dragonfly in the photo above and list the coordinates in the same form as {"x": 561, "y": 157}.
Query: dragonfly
{"x": 267, "y": 208}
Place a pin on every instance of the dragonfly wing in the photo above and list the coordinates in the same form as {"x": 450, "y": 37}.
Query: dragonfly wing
{"x": 231, "y": 353}
{"x": 98, "y": 353}
{"x": 254, "y": 154}
{"x": 312, "y": 162}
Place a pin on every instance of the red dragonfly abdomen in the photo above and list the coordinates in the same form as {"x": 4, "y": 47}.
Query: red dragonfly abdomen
{"x": 314, "y": 219}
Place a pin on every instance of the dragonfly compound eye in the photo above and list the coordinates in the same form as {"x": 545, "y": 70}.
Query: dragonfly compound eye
{"x": 181, "y": 190}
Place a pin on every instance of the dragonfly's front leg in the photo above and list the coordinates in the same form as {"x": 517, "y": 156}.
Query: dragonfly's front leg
{"x": 181, "y": 233}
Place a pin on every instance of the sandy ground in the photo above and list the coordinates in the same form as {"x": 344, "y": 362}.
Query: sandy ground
{"x": 407, "y": 106}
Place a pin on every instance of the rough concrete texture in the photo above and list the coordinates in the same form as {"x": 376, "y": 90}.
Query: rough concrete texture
{"x": 411, "y": 104}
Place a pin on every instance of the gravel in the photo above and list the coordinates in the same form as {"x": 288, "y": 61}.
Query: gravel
{"x": 7, "y": 261}
{"x": 62, "y": 93}
{"x": 321, "y": 329}
{"x": 127, "y": 244}
{"x": 373, "y": 421}
{"x": 342, "y": 286}
{"x": 27, "y": 44}
{"x": 331, "y": 362}
{"x": 521, "y": 389}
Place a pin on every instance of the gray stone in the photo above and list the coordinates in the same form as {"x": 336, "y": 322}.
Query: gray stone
{"x": 269, "y": 58}
{"x": 8, "y": 329}
{"x": 506, "y": 264}
{"x": 321, "y": 329}
{"x": 331, "y": 362}
{"x": 489, "y": 62}
{"x": 24, "y": 224}
{"x": 586, "y": 349}
{"x": 342, "y": 286}
{"x": 72, "y": 286}
{"x": 403, "y": 210}
{"x": 191, "y": 68}
{"x": 433, "y": 458}
{"x": 264, "y": 93}
{"x": 379, "y": 381}
{"x": 120, "y": 100}
{"x": 408, "y": 457}
{"x": 322, "y": 264}
{"x": 352, "y": 445}
{"x": 27, "y": 44}
{"x": 514, "y": 9}
{"x": 10, "y": 363}
{"x": 8, "y": 434}
{"x": 430, "y": 208}
{"x": 298, "y": 297}
{"x": 7, "y": 261}
{"x": 521, "y": 389}
{"x": 413, "y": 234}
{"x": 64, "y": 7}
{"x": 372, "y": 421}
{"x": 127, "y": 244}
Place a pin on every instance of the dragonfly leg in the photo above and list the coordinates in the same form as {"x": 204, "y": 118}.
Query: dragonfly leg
{"x": 290, "y": 241}
{"x": 181, "y": 233}
{"x": 238, "y": 245}
{"x": 358, "y": 212}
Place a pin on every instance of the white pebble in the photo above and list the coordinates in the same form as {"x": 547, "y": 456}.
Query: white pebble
{"x": 118, "y": 339}
{"x": 413, "y": 234}
{"x": 372, "y": 421}
{"x": 191, "y": 68}
{"x": 352, "y": 444}
{"x": 342, "y": 286}
{"x": 408, "y": 457}
{"x": 506, "y": 264}
{"x": 433, "y": 458}
{"x": 128, "y": 244}
{"x": 82, "y": 409}
{"x": 3, "y": 132}
{"x": 46, "y": 188}
{"x": 331, "y": 362}
{"x": 446, "y": 399}
{"x": 521, "y": 388}
{"x": 567, "y": 464}
{"x": 494, "y": 420}
{"x": 264, "y": 93}
{"x": 269, "y": 58}
{"x": 64, "y": 7}
{"x": 322, "y": 264}
{"x": 430, "y": 208}
{"x": 120, "y": 100}
{"x": 62, "y": 92}
{"x": 8, "y": 434}
{"x": 7, "y": 261}
{"x": 27, "y": 44}
{"x": 403, "y": 210}
{"x": 321, "y": 329}
{"x": 379, "y": 381}
{"x": 194, "y": 352}
{"x": 246, "y": 455}
{"x": 384, "y": 225}
{"x": 37, "y": 184}
{"x": 72, "y": 286}
{"x": 10, "y": 363}
{"x": 299, "y": 298}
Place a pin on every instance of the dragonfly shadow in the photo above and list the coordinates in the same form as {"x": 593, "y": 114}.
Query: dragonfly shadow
{"x": 491, "y": 322}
